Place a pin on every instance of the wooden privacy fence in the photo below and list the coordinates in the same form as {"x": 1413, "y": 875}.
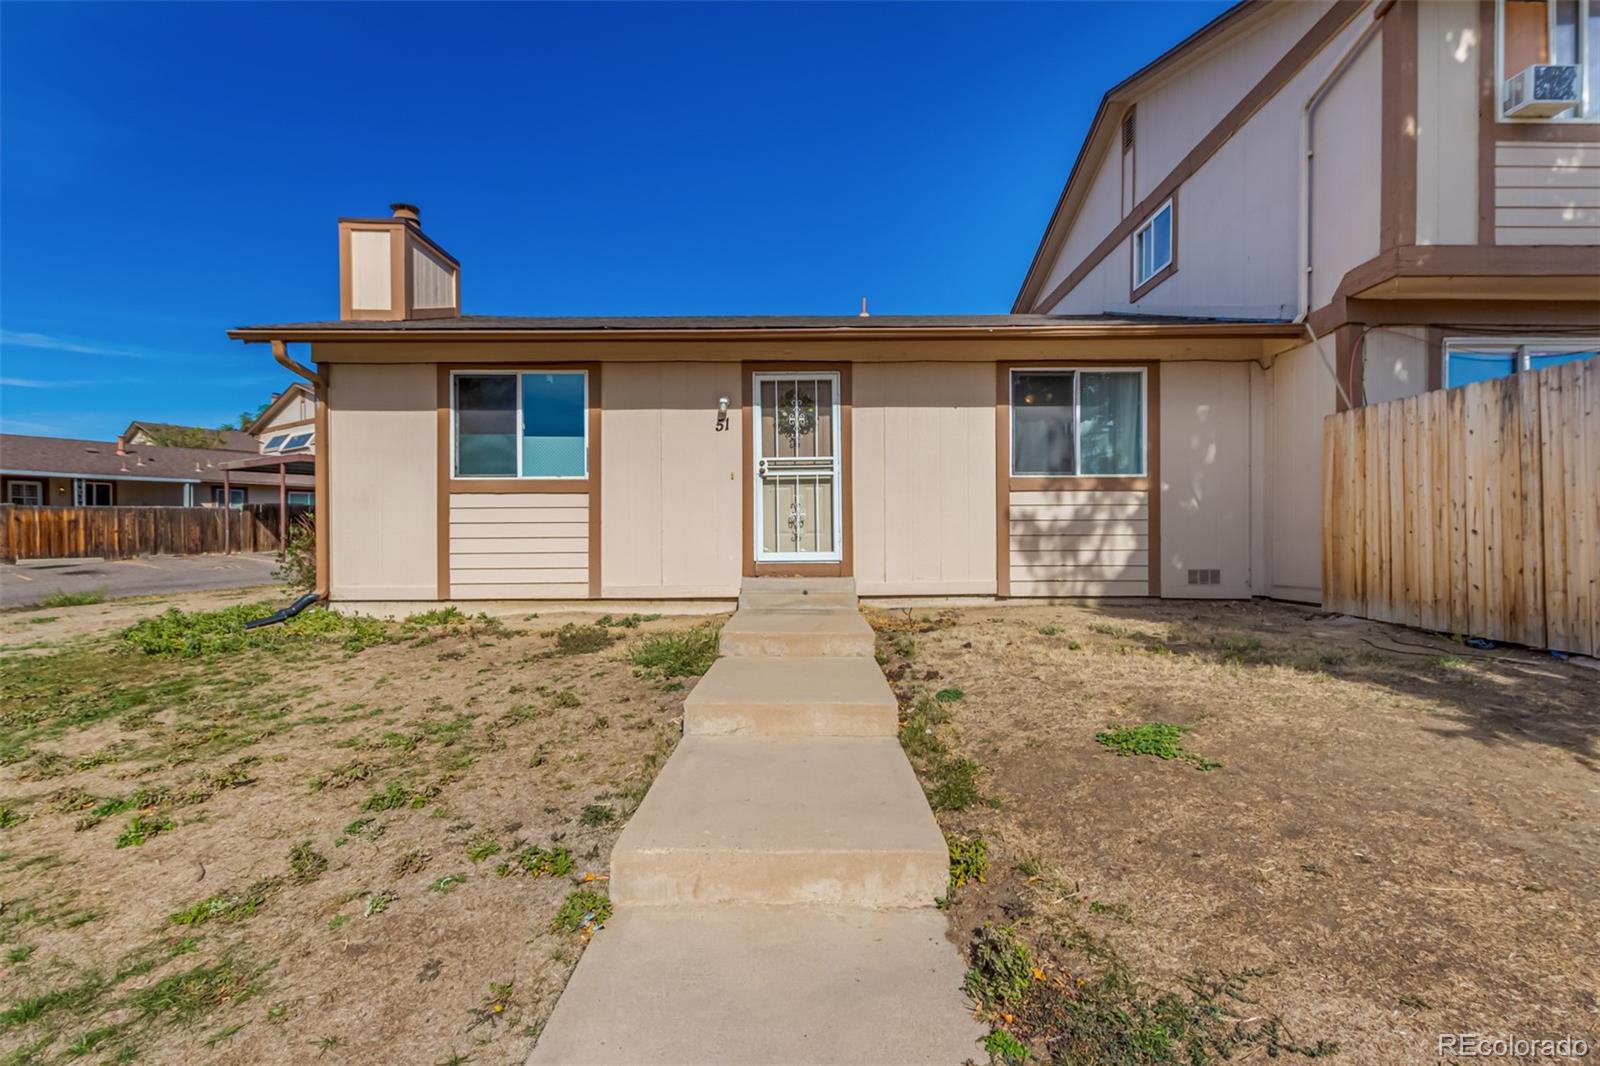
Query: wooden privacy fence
{"x": 1473, "y": 510}
{"x": 125, "y": 532}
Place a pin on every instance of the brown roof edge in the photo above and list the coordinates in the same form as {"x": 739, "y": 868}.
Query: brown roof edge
{"x": 1032, "y": 281}
{"x": 293, "y": 334}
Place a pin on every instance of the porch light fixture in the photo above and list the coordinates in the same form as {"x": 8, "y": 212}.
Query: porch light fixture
{"x": 722, "y": 414}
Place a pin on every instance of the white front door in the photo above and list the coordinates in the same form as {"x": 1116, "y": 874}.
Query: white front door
{"x": 797, "y": 515}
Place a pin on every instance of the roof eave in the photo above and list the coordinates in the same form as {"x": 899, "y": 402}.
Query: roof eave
{"x": 261, "y": 334}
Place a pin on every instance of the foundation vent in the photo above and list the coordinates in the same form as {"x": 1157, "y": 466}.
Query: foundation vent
{"x": 1205, "y": 577}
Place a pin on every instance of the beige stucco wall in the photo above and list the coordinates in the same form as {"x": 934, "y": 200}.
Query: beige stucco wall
{"x": 1206, "y": 423}
{"x": 1448, "y": 46}
{"x": 1300, "y": 393}
{"x": 142, "y": 494}
{"x": 923, "y": 495}
{"x": 1394, "y": 362}
{"x": 1346, "y": 178}
{"x": 383, "y": 481}
{"x": 671, "y": 485}
{"x": 1239, "y": 215}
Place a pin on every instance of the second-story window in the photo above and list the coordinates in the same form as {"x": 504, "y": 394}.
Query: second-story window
{"x": 1152, "y": 245}
{"x": 1549, "y": 33}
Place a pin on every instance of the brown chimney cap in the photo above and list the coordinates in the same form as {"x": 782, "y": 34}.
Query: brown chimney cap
{"x": 410, "y": 211}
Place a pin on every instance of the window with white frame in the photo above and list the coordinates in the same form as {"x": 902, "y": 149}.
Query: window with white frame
{"x": 25, "y": 493}
{"x": 274, "y": 443}
{"x": 1472, "y": 359}
{"x": 1563, "y": 33}
{"x": 95, "y": 494}
{"x": 1152, "y": 245}
{"x": 531, "y": 424}
{"x": 1079, "y": 422}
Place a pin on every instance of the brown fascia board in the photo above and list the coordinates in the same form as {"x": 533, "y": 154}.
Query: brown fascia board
{"x": 259, "y": 334}
{"x": 1099, "y": 137}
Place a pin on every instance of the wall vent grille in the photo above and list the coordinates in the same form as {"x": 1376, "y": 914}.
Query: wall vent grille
{"x": 1128, "y": 129}
{"x": 1205, "y": 577}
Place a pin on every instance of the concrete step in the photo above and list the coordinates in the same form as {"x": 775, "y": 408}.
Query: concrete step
{"x": 805, "y": 634}
{"x": 828, "y": 821}
{"x": 797, "y": 593}
{"x": 762, "y": 696}
{"x": 764, "y": 986}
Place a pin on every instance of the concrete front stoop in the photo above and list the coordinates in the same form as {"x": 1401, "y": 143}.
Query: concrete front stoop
{"x": 774, "y": 892}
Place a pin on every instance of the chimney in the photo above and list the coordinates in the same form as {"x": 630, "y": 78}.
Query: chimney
{"x": 390, "y": 271}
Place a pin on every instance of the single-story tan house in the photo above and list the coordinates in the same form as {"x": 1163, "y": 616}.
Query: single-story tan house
{"x": 1302, "y": 207}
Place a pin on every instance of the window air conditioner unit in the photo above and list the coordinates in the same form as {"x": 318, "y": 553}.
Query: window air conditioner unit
{"x": 1543, "y": 90}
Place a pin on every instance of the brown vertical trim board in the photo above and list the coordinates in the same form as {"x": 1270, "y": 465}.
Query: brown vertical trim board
{"x": 1002, "y": 480}
{"x": 1435, "y": 358}
{"x": 442, "y": 496}
{"x": 594, "y": 468}
{"x": 1152, "y": 403}
{"x": 846, "y": 564}
{"x": 323, "y": 508}
{"x": 1398, "y": 201}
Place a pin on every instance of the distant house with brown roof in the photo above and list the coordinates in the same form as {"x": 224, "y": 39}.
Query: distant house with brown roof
{"x": 170, "y": 435}
{"x": 60, "y": 472}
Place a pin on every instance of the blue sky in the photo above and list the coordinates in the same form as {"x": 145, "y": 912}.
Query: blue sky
{"x": 168, "y": 171}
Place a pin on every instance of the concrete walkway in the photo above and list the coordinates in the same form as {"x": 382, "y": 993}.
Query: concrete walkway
{"x": 775, "y": 889}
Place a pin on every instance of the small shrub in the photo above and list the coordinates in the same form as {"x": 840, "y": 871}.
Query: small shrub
{"x": 597, "y": 814}
{"x": 482, "y": 849}
{"x": 142, "y": 827}
{"x": 305, "y": 865}
{"x": 72, "y": 599}
{"x": 227, "y": 906}
{"x": 581, "y": 909}
{"x": 969, "y": 859}
{"x": 955, "y": 785}
{"x": 574, "y": 639}
{"x": 688, "y": 653}
{"x": 1002, "y": 967}
{"x": 536, "y": 861}
{"x": 904, "y": 647}
{"x": 1164, "y": 740}
{"x": 1049, "y": 629}
{"x": 297, "y": 559}
{"x": 1006, "y": 1048}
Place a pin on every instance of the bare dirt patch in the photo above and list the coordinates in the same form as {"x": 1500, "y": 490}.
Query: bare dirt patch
{"x": 1369, "y": 835}
{"x": 348, "y": 845}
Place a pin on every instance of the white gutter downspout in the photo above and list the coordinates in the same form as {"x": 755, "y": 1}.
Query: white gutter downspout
{"x": 1307, "y": 150}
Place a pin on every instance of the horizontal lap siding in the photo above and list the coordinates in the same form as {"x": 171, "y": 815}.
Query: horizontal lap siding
{"x": 520, "y": 545}
{"x": 1079, "y": 543}
{"x": 1547, "y": 193}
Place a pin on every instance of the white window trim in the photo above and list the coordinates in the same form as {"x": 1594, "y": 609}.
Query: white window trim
{"x": 1590, "y": 116}
{"x": 290, "y": 445}
{"x": 38, "y": 487}
{"x": 1077, "y": 422}
{"x": 1518, "y": 347}
{"x": 1148, "y": 225}
{"x": 274, "y": 443}
{"x": 455, "y": 475}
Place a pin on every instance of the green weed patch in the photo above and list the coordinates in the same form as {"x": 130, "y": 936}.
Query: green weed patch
{"x": 1164, "y": 740}
{"x": 688, "y": 653}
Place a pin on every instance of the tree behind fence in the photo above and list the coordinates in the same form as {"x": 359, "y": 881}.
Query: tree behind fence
{"x": 1473, "y": 510}
{"x": 126, "y": 532}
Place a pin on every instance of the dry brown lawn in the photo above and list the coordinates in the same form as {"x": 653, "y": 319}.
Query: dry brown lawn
{"x": 1402, "y": 839}
{"x": 331, "y": 827}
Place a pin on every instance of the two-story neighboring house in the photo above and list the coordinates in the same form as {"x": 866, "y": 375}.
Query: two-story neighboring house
{"x": 1303, "y": 206}
{"x": 1417, "y": 183}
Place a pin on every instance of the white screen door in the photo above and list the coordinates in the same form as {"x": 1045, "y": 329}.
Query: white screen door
{"x": 797, "y": 467}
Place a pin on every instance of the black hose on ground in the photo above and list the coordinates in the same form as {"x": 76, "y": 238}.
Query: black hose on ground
{"x": 287, "y": 613}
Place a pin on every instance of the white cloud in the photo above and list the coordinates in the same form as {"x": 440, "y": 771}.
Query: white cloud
{"x": 46, "y": 342}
